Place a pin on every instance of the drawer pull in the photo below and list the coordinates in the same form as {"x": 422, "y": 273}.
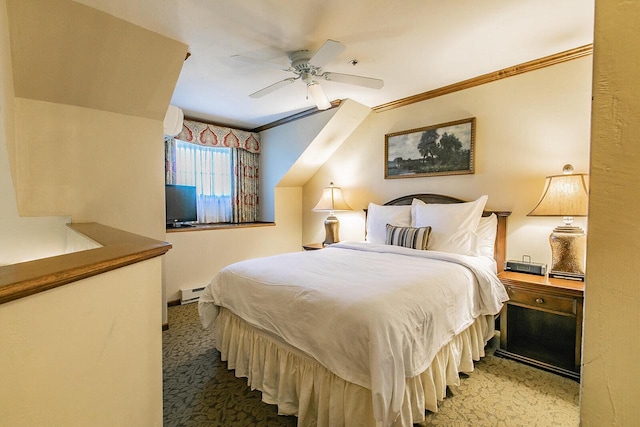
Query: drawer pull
{"x": 539, "y": 300}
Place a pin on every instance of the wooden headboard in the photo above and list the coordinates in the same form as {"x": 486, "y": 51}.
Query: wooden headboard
{"x": 500, "y": 250}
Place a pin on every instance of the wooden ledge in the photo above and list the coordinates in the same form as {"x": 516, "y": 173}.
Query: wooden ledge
{"x": 119, "y": 248}
{"x": 220, "y": 226}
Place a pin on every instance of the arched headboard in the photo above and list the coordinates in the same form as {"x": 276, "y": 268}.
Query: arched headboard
{"x": 500, "y": 250}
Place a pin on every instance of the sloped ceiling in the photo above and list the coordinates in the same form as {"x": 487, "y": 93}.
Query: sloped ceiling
{"x": 65, "y": 52}
{"x": 413, "y": 45}
{"x": 349, "y": 116}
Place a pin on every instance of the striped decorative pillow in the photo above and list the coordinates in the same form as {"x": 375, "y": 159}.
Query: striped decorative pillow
{"x": 409, "y": 237}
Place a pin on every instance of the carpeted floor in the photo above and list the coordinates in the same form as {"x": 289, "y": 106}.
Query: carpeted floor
{"x": 199, "y": 390}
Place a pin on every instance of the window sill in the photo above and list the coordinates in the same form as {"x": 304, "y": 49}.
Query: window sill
{"x": 220, "y": 226}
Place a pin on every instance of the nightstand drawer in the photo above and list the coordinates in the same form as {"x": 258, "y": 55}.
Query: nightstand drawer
{"x": 542, "y": 301}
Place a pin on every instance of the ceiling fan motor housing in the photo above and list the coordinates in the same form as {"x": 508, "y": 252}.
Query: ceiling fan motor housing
{"x": 300, "y": 63}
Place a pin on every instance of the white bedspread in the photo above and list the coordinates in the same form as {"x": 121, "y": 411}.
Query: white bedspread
{"x": 372, "y": 314}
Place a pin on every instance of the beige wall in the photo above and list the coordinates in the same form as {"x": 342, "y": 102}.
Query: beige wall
{"x": 85, "y": 354}
{"x": 75, "y": 144}
{"x": 610, "y": 390}
{"x": 527, "y": 127}
{"x": 197, "y": 256}
{"x": 90, "y": 99}
{"x": 22, "y": 239}
{"x": 90, "y": 164}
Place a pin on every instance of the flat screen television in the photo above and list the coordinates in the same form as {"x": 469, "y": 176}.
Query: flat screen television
{"x": 180, "y": 205}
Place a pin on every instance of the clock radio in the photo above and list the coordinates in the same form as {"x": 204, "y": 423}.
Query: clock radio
{"x": 526, "y": 267}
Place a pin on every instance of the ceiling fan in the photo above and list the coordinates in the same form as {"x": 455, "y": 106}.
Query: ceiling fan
{"x": 308, "y": 69}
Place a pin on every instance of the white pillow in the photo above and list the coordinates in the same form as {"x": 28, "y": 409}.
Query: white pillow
{"x": 379, "y": 216}
{"x": 486, "y": 231}
{"x": 453, "y": 226}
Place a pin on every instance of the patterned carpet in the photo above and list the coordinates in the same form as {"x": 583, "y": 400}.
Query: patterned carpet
{"x": 199, "y": 390}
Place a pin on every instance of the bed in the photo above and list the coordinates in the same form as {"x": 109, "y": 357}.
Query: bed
{"x": 366, "y": 333}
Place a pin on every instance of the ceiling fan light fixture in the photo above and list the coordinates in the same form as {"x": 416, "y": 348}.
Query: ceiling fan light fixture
{"x": 322, "y": 102}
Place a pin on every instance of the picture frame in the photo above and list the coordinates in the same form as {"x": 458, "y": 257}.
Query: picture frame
{"x": 422, "y": 152}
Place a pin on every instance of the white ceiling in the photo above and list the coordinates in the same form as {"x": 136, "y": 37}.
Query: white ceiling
{"x": 413, "y": 45}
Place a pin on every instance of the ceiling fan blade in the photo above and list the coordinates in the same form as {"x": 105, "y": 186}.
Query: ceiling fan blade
{"x": 267, "y": 90}
{"x": 258, "y": 61}
{"x": 354, "y": 80}
{"x": 329, "y": 50}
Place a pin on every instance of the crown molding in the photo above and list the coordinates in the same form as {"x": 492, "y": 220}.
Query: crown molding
{"x": 515, "y": 70}
{"x": 294, "y": 117}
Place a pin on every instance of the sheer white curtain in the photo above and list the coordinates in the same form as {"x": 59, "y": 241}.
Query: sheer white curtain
{"x": 209, "y": 169}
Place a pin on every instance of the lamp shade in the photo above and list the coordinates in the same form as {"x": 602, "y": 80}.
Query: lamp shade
{"x": 564, "y": 195}
{"x": 332, "y": 200}
{"x": 567, "y": 196}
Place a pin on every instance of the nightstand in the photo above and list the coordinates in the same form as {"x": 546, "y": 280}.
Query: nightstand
{"x": 312, "y": 246}
{"x": 541, "y": 324}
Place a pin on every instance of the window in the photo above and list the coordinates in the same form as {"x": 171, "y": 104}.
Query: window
{"x": 223, "y": 164}
{"x": 209, "y": 170}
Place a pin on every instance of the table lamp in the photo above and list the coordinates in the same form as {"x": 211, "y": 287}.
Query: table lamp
{"x": 331, "y": 200}
{"x": 566, "y": 195}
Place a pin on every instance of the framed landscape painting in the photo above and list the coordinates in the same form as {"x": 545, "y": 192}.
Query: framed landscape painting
{"x": 444, "y": 149}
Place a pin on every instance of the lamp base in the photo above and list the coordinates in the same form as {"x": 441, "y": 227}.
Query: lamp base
{"x": 568, "y": 248}
{"x": 331, "y": 227}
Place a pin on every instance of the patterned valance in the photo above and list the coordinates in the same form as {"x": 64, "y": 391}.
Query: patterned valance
{"x": 218, "y": 136}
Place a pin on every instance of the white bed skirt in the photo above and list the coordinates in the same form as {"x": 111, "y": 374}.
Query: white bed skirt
{"x": 301, "y": 386}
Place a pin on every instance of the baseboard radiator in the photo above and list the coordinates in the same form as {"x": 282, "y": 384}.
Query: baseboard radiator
{"x": 190, "y": 295}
